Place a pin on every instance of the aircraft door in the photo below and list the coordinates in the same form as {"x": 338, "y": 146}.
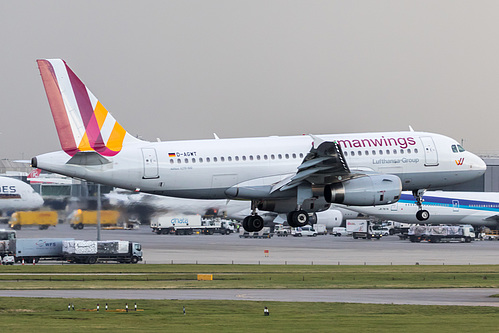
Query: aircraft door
{"x": 150, "y": 159}
{"x": 455, "y": 206}
{"x": 430, "y": 151}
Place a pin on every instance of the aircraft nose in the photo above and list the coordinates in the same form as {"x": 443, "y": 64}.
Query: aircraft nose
{"x": 477, "y": 164}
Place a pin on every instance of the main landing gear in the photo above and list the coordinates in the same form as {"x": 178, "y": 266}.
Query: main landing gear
{"x": 297, "y": 218}
{"x": 253, "y": 223}
{"x": 422, "y": 214}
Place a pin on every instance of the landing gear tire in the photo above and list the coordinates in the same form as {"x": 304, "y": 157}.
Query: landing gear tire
{"x": 422, "y": 215}
{"x": 253, "y": 223}
{"x": 298, "y": 218}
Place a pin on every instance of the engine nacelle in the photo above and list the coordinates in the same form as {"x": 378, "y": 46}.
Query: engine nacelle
{"x": 370, "y": 190}
{"x": 330, "y": 218}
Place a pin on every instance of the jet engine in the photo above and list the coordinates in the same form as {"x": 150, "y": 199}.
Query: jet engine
{"x": 370, "y": 190}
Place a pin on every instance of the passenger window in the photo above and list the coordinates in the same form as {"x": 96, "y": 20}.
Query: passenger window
{"x": 301, "y": 155}
{"x": 287, "y": 156}
{"x": 272, "y": 157}
{"x": 265, "y": 157}
{"x": 294, "y": 155}
{"x": 374, "y": 152}
{"x": 244, "y": 158}
{"x": 229, "y": 158}
{"x": 193, "y": 160}
{"x": 279, "y": 156}
{"x": 401, "y": 151}
{"x": 215, "y": 159}
{"x": 222, "y": 159}
{"x": 208, "y": 159}
{"x": 408, "y": 151}
{"x": 366, "y": 152}
{"x": 171, "y": 161}
{"x": 258, "y": 157}
{"x": 251, "y": 157}
{"x": 415, "y": 150}
{"x": 179, "y": 161}
{"x": 359, "y": 153}
{"x": 387, "y": 152}
{"x": 200, "y": 160}
{"x": 381, "y": 152}
{"x": 395, "y": 151}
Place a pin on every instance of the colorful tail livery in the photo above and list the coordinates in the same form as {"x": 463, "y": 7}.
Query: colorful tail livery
{"x": 82, "y": 122}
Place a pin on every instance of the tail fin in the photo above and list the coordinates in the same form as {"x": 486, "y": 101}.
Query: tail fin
{"x": 82, "y": 122}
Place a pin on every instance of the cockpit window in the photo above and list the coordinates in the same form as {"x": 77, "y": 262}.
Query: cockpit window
{"x": 457, "y": 148}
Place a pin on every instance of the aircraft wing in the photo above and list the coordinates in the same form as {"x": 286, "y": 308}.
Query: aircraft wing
{"x": 494, "y": 218}
{"x": 324, "y": 164}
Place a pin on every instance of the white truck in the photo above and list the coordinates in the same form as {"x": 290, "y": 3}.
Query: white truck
{"x": 304, "y": 231}
{"x": 442, "y": 233}
{"x": 32, "y": 250}
{"x": 340, "y": 231}
{"x": 282, "y": 231}
{"x": 188, "y": 224}
{"x": 90, "y": 252}
{"x": 362, "y": 229}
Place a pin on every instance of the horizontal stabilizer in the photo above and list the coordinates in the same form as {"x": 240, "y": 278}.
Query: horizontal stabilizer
{"x": 88, "y": 158}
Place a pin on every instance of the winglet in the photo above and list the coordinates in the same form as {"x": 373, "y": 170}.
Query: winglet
{"x": 82, "y": 122}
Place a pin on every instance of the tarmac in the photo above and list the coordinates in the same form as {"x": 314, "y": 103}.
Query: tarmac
{"x": 320, "y": 250}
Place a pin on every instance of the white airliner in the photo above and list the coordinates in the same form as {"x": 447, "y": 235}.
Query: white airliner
{"x": 475, "y": 208}
{"x": 148, "y": 204}
{"x": 295, "y": 175}
{"x": 17, "y": 195}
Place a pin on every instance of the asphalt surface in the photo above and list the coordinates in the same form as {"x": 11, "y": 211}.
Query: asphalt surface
{"x": 320, "y": 250}
{"x": 465, "y": 296}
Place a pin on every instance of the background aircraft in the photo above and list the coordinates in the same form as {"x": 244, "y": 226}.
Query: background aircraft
{"x": 144, "y": 205}
{"x": 475, "y": 208}
{"x": 296, "y": 176}
{"x": 17, "y": 195}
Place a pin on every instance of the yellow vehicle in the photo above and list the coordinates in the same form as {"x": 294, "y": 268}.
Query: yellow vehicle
{"x": 42, "y": 219}
{"x": 81, "y": 218}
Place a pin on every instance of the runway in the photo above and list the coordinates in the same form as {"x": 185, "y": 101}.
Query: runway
{"x": 462, "y": 297}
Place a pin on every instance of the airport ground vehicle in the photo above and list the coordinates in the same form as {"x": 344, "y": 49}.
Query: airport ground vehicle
{"x": 320, "y": 229}
{"x": 264, "y": 233}
{"x": 8, "y": 260}
{"x": 40, "y": 219}
{"x": 339, "y": 231}
{"x": 81, "y": 218}
{"x": 67, "y": 249}
{"x": 89, "y": 252}
{"x": 362, "y": 229}
{"x": 282, "y": 231}
{"x": 441, "y": 233}
{"x": 304, "y": 231}
{"x": 188, "y": 225}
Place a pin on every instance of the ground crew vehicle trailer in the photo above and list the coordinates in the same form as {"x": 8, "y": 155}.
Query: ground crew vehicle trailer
{"x": 442, "y": 233}
{"x": 187, "y": 225}
{"x": 40, "y": 219}
{"x": 36, "y": 249}
{"x": 67, "y": 249}
{"x": 90, "y": 252}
